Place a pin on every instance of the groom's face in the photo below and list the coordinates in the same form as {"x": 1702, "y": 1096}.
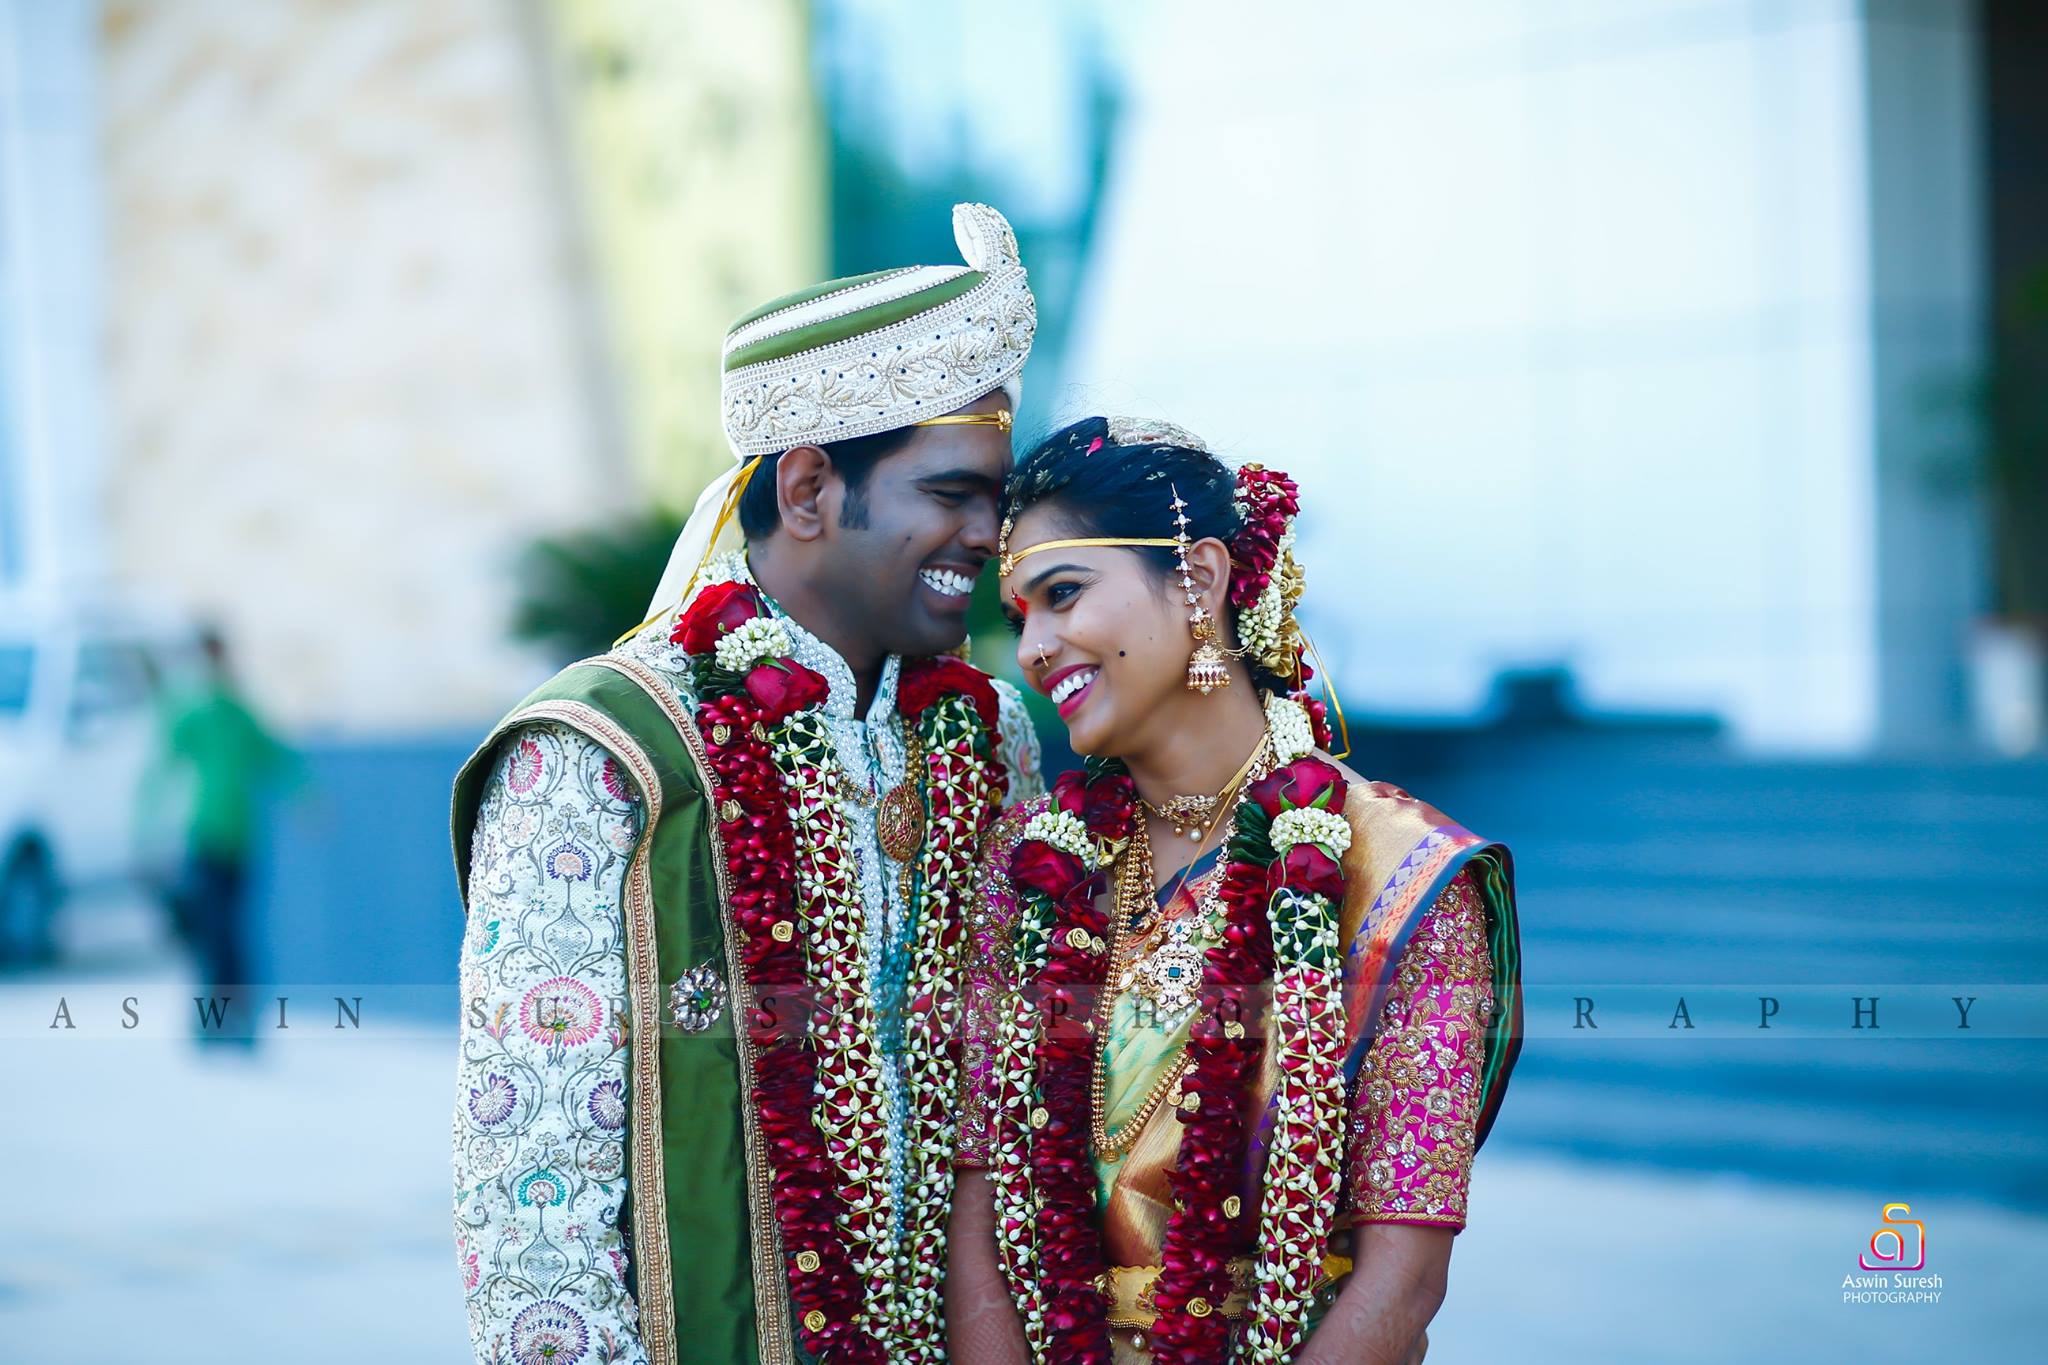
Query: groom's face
{"x": 904, "y": 556}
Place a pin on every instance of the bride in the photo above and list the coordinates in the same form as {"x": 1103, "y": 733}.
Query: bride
{"x": 1236, "y": 1018}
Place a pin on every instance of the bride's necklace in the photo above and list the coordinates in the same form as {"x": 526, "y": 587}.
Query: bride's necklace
{"x": 1133, "y": 886}
{"x": 1170, "y": 976}
{"x": 1192, "y": 817}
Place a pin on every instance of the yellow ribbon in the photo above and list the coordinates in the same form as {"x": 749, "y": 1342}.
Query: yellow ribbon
{"x": 1329, "y": 695}
{"x": 725, "y": 511}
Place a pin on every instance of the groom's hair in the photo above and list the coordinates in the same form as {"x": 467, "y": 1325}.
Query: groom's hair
{"x": 761, "y": 515}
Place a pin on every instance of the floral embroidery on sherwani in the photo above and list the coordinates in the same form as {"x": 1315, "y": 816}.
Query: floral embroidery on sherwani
{"x": 541, "y": 1086}
{"x": 1418, "y": 1095}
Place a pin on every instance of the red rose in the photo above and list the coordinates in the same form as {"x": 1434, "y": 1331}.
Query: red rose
{"x": 1313, "y": 872}
{"x": 1304, "y": 782}
{"x": 783, "y": 687}
{"x": 1041, "y": 867}
{"x": 925, "y": 681}
{"x": 1106, "y": 806}
{"x": 720, "y": 608}
{"x": 1070, "y": 791}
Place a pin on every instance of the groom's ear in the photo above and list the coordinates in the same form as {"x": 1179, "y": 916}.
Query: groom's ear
{"x": 803, "y": 486}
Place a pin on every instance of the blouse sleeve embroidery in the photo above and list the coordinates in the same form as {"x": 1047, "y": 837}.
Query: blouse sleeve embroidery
{"x": 1017, "y": 745}
{"x": 986, "y": 983}
{"x": 1411, "y": 1142}
{"x": 541, "y": 1085}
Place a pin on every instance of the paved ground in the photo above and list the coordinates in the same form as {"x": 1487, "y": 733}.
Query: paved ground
{"x": 166, "y": 1208}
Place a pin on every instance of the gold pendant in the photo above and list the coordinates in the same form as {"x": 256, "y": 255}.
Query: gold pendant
{"x": 899, "y": 824}
{"x": 1190, "y": 816}
{"x": 1171, "y": 976}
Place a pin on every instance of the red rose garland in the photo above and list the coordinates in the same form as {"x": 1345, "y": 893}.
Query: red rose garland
{"x": 1224, "y": 1048}
{"x": 1271, "y": 499}
{"x": 954, "y": 710}
{"x": 1064, "y": 955}
{"x": 1047, "y": 1167}
{"x": 849, "y": 1110}
{"x": 760, "y": 851}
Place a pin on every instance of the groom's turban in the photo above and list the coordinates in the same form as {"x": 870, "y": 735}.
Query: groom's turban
{"x": 862, "y": 355}
{"x": 875, "y": 352}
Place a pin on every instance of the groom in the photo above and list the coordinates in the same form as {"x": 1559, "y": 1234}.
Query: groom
{"x": 715, "y": 878}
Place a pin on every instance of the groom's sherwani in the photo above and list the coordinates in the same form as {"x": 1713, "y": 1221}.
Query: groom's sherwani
{"x": 609, "y": 1190}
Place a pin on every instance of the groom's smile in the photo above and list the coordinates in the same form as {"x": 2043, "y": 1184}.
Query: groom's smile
{"x": 953, "y": 585}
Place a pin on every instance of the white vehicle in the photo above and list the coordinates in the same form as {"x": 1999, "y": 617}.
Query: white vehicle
{"x": 79, "y": 698}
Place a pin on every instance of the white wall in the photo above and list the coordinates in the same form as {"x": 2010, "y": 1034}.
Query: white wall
{"x": 1560, "y": 310}
{"x": 346, "y": 373}
{"x": 51, "y": 450}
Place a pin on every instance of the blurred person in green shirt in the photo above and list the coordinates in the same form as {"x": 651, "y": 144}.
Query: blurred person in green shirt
{"x": 229, "y": 760}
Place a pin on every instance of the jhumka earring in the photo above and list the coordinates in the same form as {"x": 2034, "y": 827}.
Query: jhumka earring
{"x": 1206, "y": 669}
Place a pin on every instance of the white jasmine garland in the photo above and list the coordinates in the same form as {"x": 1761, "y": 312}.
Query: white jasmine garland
{"x": 1293, "y": 736}
{"x": 1258, "y": 626}
{"x": 1311, "y": 826}
{"x": 727, "y": 566}
{"x": 761, "y": 638}
{"x": 1065, "y": 832}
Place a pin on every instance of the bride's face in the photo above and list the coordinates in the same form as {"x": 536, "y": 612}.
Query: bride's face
{"x": 1102, "y": 631}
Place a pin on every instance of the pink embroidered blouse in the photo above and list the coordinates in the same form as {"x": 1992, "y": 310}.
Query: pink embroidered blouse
{"x": 1410, "y": 1134}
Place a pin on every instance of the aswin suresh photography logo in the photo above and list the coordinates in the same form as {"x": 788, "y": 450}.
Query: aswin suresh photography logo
{"x": 1894, "y": 1264}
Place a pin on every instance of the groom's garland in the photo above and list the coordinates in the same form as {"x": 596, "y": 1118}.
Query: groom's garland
{"x": 797, "y": 907}
{"x": 1281, "y": 887}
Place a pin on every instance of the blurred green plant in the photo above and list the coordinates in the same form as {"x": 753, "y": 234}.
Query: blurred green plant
{"x": 2014, "y": 402}
{"x": 578, "y": 592}
{"x": 2005, "y": 406}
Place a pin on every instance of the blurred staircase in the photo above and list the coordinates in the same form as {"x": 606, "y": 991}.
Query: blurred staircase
{"x": 1651, "y": 857}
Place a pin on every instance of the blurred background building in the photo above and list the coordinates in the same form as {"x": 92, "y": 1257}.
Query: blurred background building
{"x": 1668, "y": 380}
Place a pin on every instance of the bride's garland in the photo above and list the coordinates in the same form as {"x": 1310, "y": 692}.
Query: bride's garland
{"x": 1281, "y": 887}
{"x": 860, "y": 1293}
{"x": 1042, "y": 1170}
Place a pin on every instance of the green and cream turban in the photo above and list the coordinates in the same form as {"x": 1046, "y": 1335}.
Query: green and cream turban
{"x": 859, "y": 356}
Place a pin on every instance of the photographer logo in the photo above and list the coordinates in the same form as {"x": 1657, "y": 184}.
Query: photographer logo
{"x": 1896, "y": 1258}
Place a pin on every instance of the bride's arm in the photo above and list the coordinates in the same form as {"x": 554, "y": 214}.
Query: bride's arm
{"x": 1402, "y": 1271}
{"x": 981, "y": 1322}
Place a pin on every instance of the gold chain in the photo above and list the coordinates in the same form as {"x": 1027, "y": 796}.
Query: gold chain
{"x": 1135, "y": 889}
{"x": 1134, "y": 881}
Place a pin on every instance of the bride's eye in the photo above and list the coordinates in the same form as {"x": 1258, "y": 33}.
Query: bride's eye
{"x": 1061, "y": 593}
{"x": 1014, "y": 622}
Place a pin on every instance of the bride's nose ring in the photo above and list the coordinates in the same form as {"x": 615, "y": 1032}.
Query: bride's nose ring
{"x": 1041, "y": 656}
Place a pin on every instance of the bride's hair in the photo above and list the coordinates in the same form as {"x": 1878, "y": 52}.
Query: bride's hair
{"x": 1101, "y": 487}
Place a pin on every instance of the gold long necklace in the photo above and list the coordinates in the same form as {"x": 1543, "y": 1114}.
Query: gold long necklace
{"x": 1134, "y": 897}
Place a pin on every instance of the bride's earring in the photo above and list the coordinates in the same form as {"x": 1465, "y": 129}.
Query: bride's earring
{"x": 1206, "y": 670}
